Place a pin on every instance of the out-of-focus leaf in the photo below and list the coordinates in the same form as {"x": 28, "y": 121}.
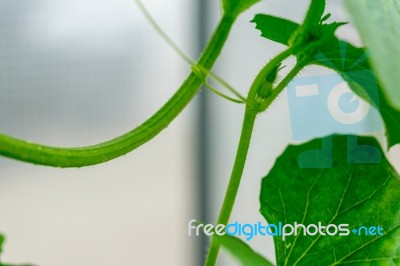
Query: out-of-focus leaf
{"x": 241, "y": 251}
{"x": 1, "y": 243}
{"x": 2, "y": 239}
{"x": 354, "y": 192}
{"x": 378, "y": 22}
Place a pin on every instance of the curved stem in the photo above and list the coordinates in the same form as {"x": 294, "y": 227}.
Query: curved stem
{"x": 184, "y": 56}
{"x": 103, "y": 152}
{"x": 270, "y": 66}
{"x": 282, "y": 85}
{"x": 163, "y": 35}
{"x": 200, "y": 73}
{"x": 196, "y": 70}
{"x": 222, "y": 95}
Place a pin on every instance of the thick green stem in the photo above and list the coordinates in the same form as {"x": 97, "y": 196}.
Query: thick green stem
{"x": 233, "y": 186}
{"x": 91, "y": 155}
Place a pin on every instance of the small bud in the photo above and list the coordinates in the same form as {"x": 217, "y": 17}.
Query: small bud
{"x": 266, "y": 86}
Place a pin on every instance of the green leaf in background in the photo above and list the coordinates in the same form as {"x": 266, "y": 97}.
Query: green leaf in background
{"x": 350, "y": 62}
{"x": 2, "y": 239}
{"x": 236, "y": 7}
{"x": 243, "y": 252}
{"x": 276, "y": 29}
{"x": 378, "y": 22}
{"x": 351, "y": 192}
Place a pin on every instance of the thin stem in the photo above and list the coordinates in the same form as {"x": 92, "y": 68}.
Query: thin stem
{"x": 233, "y": 186}
{"x": 103, "y": 152}
{"x": 285, "y": 81}
{"x": 200, "y": 74}
{"x": 253, "y": 107}
{"x": 217, "y": 92}
{"x": 166, "y": 38}
{"x": 227, "y": 85}
{"x": 184, "y": 56}
{"x": 270, "y": 66}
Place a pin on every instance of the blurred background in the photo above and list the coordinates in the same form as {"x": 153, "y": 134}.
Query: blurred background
{"x": 75, "y": 73}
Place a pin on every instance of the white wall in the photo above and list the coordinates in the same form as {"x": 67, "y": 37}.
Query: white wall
{"x": 79, "y": 72}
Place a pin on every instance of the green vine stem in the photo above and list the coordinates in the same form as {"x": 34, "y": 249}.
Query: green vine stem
{"x": 234, "y": 182}
{"x": 255, "y": 105}
{"x": 188, "y": 60}
{"x": 84, "y": 156}
{"x": 285, "y": 81}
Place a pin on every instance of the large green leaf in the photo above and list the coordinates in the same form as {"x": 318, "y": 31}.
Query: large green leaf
{"x": 236, "y": 7}
{"x": 351, "y": 62}
{"x": 360, "y": 189}
{"x": 378, "y": 22}
{"x": 241, "y": 251}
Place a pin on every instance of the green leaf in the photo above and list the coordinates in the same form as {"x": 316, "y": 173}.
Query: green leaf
{"x": 314, "y": 14}
{"x": 360, "y": 189}
{"x": 350, "y": 62}
{"x": 276, "y": 29}
{"x": 378, "y": 22}
{"x": 236, "y": 7}
{"x": 243, "y": 252}
{"x": 303, "y": 40}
